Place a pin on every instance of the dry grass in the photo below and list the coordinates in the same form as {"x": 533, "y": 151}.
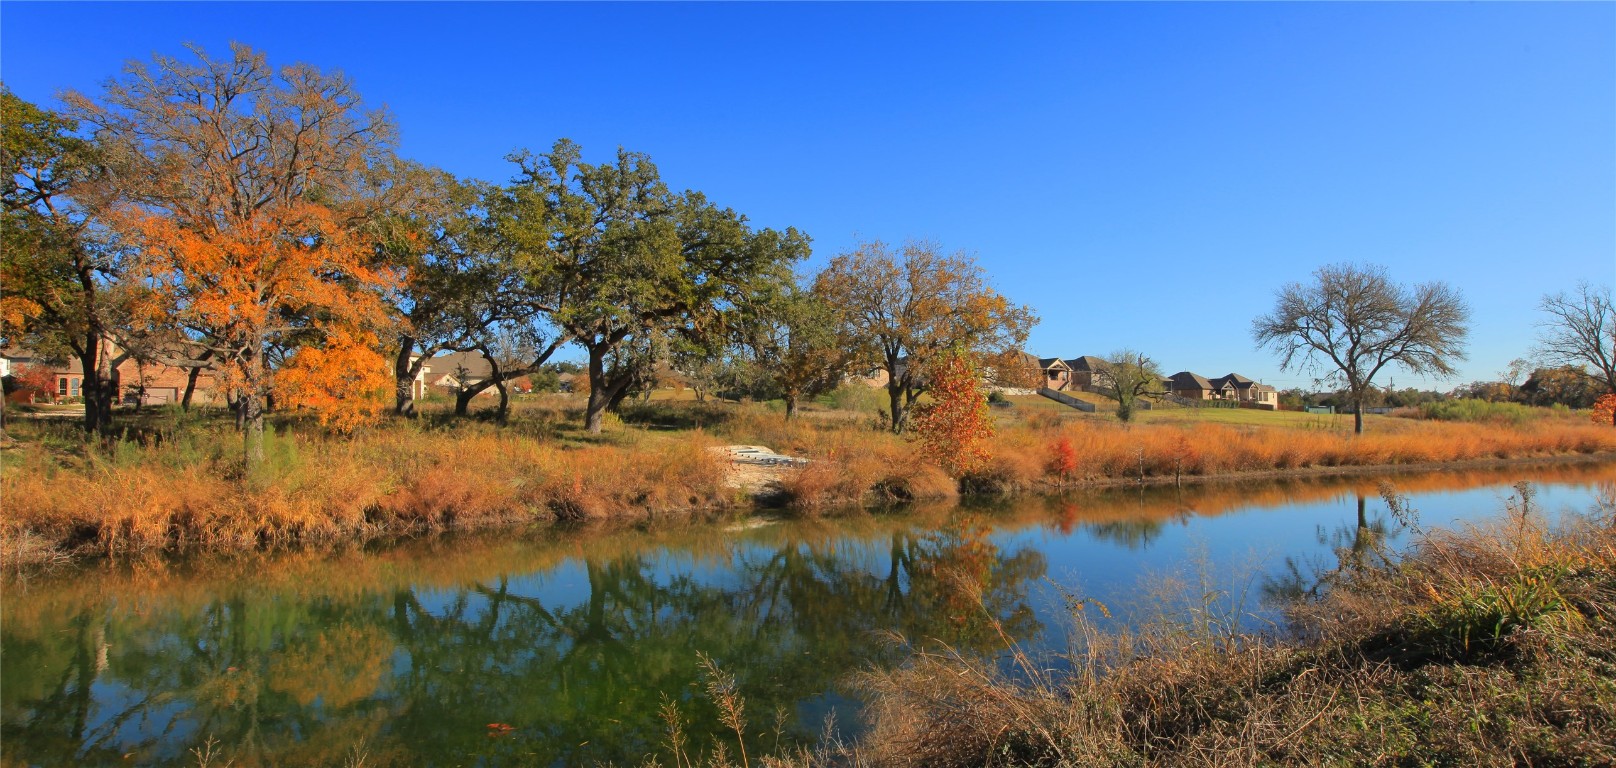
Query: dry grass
{"x": 188, "y": 493}
{"x": 177, "y": 484}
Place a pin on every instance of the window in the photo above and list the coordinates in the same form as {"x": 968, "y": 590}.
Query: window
{"x": 61, "y": 386}
{"x": 73, "y": 385}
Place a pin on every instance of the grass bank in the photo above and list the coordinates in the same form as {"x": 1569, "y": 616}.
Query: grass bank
{"x": 1494, "y": 645}
{"x": 174, "y": 482}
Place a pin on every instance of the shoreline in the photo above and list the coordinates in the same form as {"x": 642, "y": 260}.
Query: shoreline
{"x": 32, "y": 553}
{"x": 1346, "y": 471}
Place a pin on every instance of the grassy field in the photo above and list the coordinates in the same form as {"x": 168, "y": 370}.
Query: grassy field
{"x": 173, "y": 481}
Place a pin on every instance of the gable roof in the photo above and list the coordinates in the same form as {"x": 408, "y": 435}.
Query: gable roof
{"x": 1047, "y": 363}
{"x": 1088, "y": 363}
{"x": 474, "y": 365}
{"x": 1187, "y": 380}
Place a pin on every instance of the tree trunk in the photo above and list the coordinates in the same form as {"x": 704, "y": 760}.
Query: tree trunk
{"x": 791, "y": 407}
{"x": 463, "y": 398}
{"x": 602, "y": 392}
{"x": 895, "y": 396}
{"x": 251, "y": 413}
{"x": 404, "y": 378}
{"x": 504, "y": 411}
{"x": 1357, "y": 417}
{"x": 190, "y": 387}
{"x": 90, "y": 386}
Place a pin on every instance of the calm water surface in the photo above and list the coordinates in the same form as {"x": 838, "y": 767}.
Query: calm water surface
{"x": 568, "y": 646}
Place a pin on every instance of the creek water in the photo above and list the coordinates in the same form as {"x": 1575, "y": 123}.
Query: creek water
{"x": 563, "y": 647}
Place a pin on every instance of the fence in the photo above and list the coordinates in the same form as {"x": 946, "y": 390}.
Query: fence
{"x": 1062, "y": 397}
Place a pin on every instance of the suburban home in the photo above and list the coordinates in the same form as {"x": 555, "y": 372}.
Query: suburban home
{"x": 137, "y": 381}
{"x": 1086, "y": 372}
{"x": 1230, "y": 387}
{"x": 1233, "y": 386}
{"x": 453, "y": 371}
{"x": 1057, "y": 374}
{"x": 1188, "y": 386}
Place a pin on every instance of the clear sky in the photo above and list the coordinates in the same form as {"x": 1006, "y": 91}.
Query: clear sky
{"x": 1143, "y": 175}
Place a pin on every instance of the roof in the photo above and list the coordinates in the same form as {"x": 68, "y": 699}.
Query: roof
{"x": 1088, "y": 363}
{"x": 69, "y": 364}
{"x": 1240, "y": 382}
{"x": 1187, "y": 380}
{"x": 473, "y": 363}
{"x": 1051, "y": 362}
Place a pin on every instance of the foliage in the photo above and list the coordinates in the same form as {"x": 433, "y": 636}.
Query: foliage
{"x": 902, "y": 310}
{"x": 1569, "y": 385}
{"x": 247, "y": 193}
{"x": 1605, "y": 409}
{"x": 55, "y": 274}
{"x": 790, "y": 336}
{"x": 1062, "y": 459}
{"x": 33, "y": 381}
{"x": 343, "y": 380}
{"x": 955, "y": 424}
{"x": 1125, "y": 376}
{"x": 1356, "y": 322}
{"x": 617, "y": 259}
{"x": 1466, "y": 409}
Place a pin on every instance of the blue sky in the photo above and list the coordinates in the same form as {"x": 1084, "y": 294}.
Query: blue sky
{"x": 1143, "y": 175}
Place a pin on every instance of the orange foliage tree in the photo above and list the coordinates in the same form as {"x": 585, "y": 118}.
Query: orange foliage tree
{"x": 901, "y": 310}
{"x": 249, "y": 198}
{"x": 1605, "y": 409}
{"x": 955, "y": 425}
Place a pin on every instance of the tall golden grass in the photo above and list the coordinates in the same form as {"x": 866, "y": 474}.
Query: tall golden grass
{"x": 173, "y": 496}
{"x": 181, "y": 487}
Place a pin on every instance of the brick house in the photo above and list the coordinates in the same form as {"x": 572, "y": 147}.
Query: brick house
{"x": 136, "y": 381}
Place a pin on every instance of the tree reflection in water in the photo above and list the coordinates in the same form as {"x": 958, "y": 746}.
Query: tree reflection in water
{"x": 417, "y": 675}
{"x": 411, "y": 653}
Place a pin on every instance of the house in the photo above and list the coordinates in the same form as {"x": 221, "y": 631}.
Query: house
{"x": 1233, "y": 386}
{"x": 1188, "y": 386}
{"x": 453, "y": 371}
{"x": 1086, "y": 372}
{"x": 1057, "y": 375}
{"x": 145, "y": 382}
{"x": 1230, "y": 387}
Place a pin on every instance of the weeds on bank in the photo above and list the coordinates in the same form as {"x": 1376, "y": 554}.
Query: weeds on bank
{"x": 1488, "y": 646}
{"x": 174, "y": 480}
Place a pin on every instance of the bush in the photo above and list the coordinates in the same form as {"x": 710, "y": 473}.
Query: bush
{"x": 1481, "y": 411}
{"x": 857, "y": 398}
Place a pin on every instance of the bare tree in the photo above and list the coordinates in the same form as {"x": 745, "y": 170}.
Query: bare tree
{"x": 1125, "y": 376}
{"x": 1580, "y": 330}
{"x": 1357, "y": 320}
{"x": 1513, "y": 374}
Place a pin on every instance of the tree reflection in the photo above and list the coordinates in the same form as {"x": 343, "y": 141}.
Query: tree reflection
{"x": 1356, "y": 546}
{"x": 420, "y": 674}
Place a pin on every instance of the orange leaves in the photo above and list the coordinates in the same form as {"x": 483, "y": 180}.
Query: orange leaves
{"x": 293, "y": 273}
{"x": 1605, "y": 409}
{"x": 344, "y": 381}
{"x": 955, "y": 425}
{"x": 1062, "y": 459}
